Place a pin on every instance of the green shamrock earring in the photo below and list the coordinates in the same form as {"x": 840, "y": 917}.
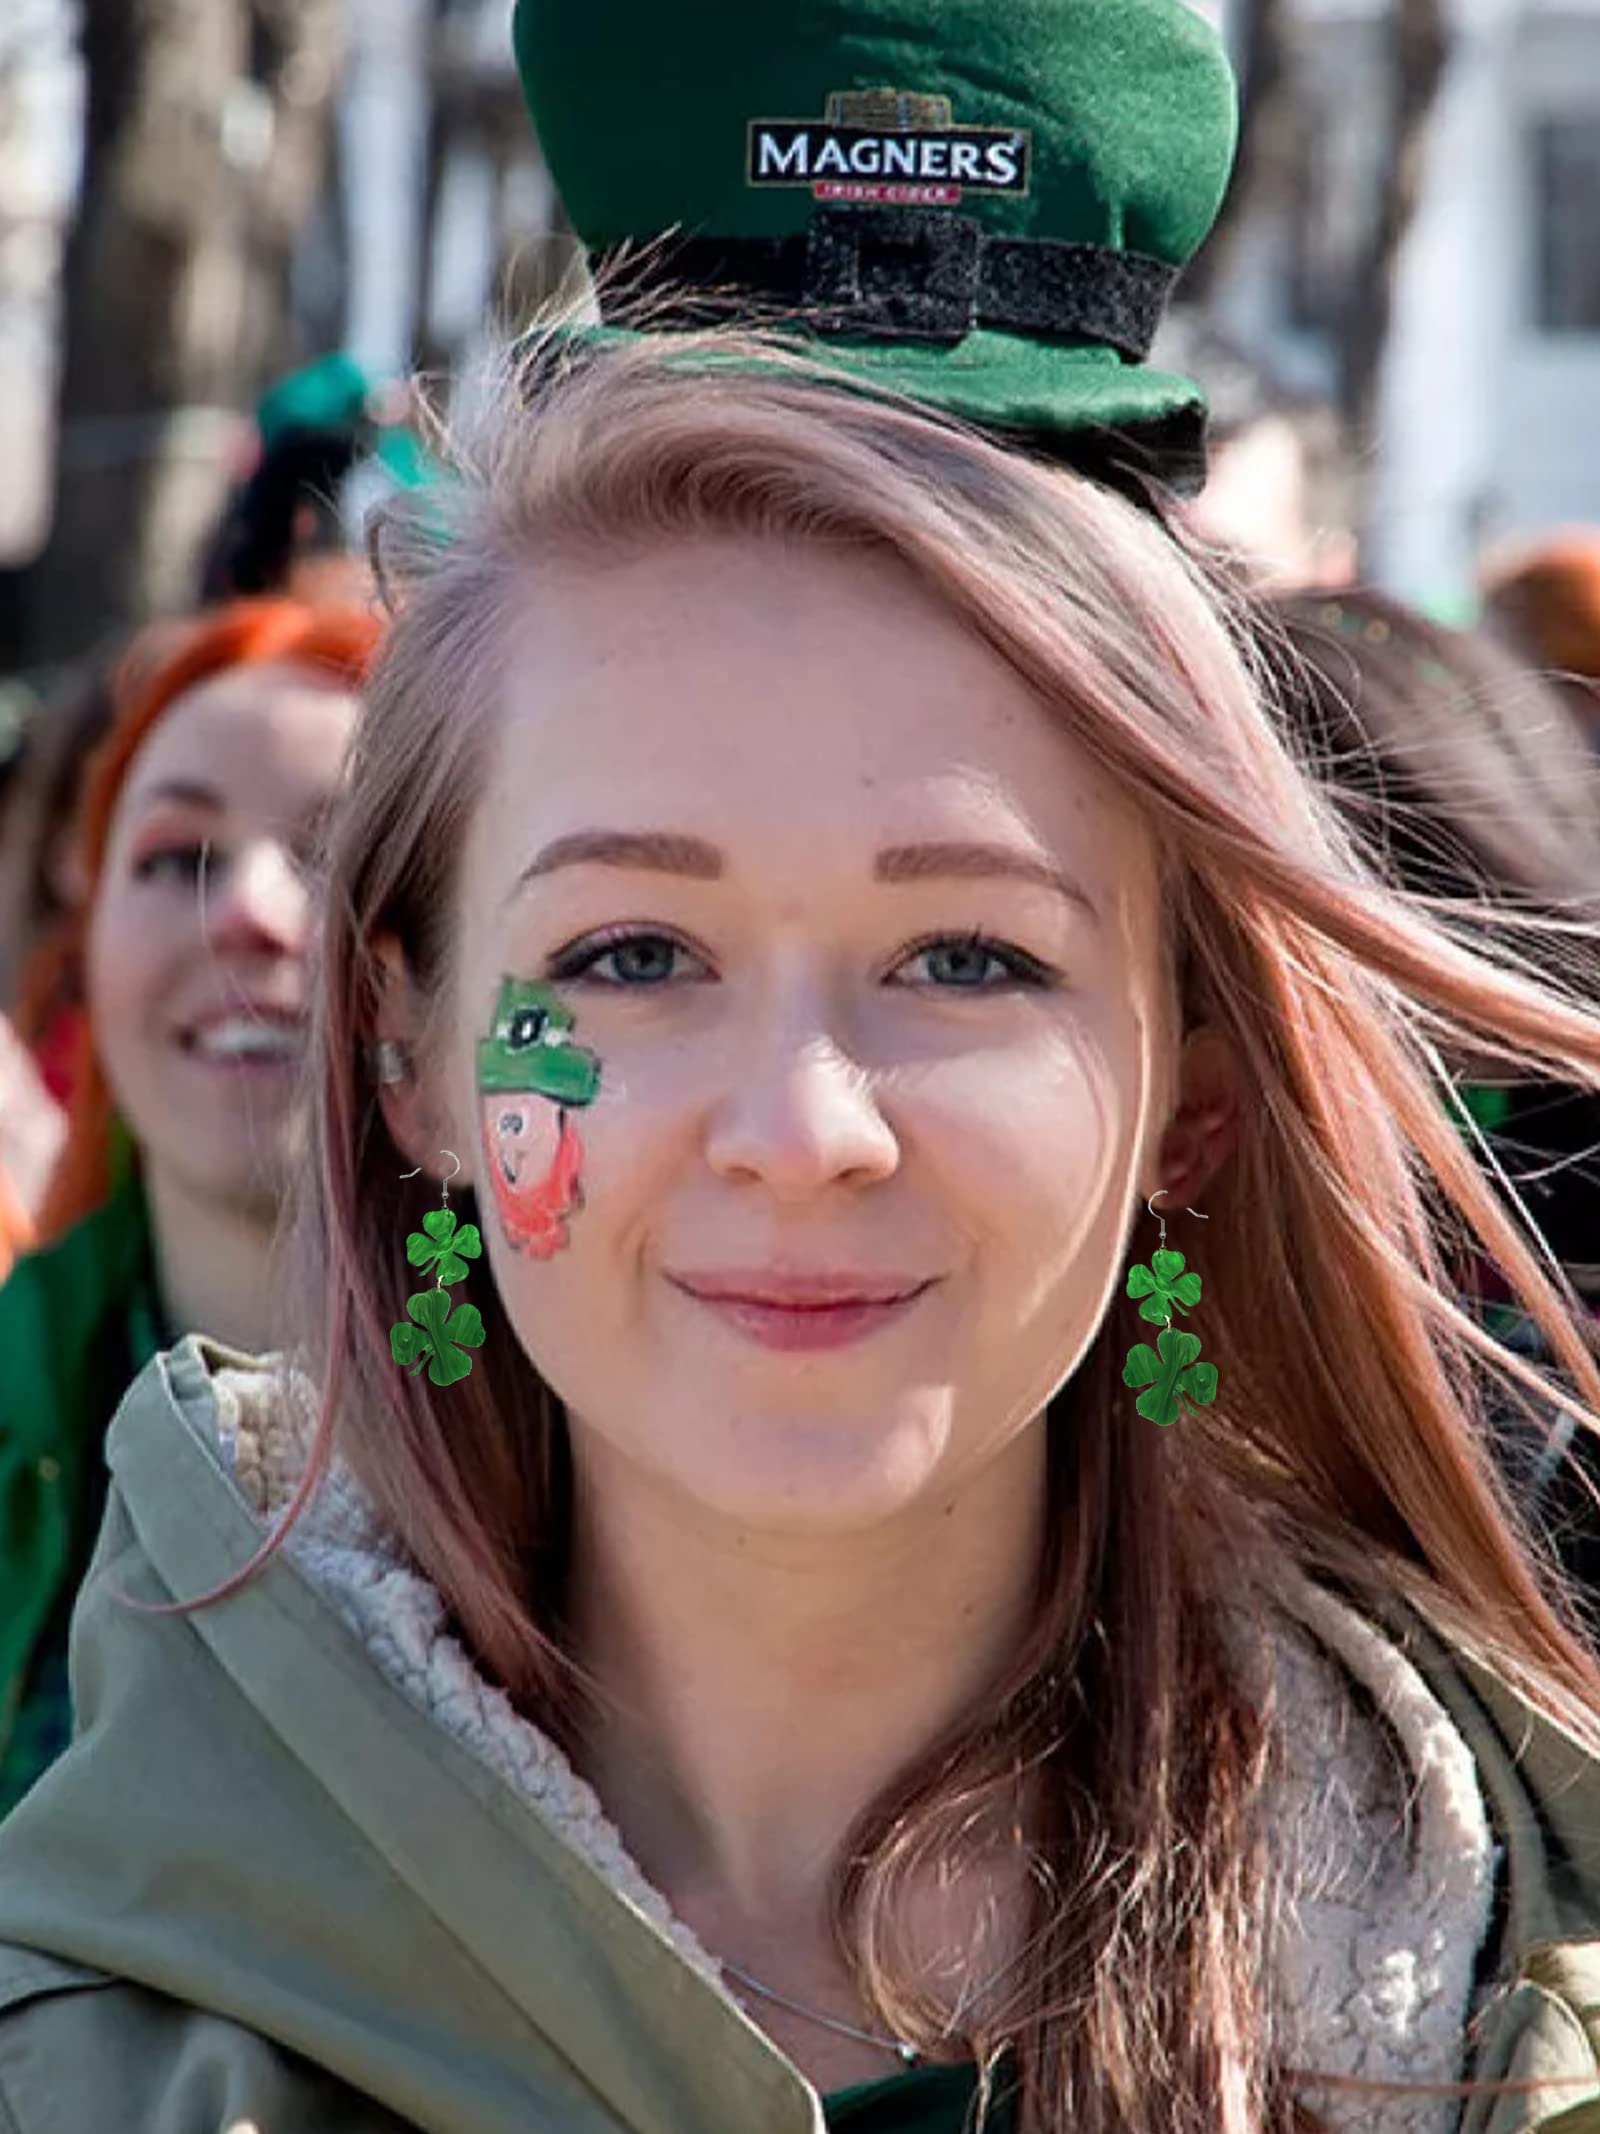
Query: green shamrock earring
{"x": 439, "y": 1337}
{"x": 1169, "y": 1370}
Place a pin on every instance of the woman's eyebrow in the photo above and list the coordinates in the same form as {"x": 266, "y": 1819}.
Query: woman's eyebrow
{"x": 672, "y": 852}
{"x": 969, "y": 861}
{"x": 187, "y": 791}
{"x": 656, "y": 851}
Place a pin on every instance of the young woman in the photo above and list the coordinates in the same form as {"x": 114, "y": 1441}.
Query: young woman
{"x": 809, "y": 880}
{"x": 200, "y": 816}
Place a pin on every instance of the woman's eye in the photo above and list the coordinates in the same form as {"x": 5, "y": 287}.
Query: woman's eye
{"x": 176, "y": 863}
{"x": 636, "y": 961}
{"x": 969, "y": 963}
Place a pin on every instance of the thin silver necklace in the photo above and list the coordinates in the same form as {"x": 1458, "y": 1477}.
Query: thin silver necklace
{"x": 907, "y": 2055}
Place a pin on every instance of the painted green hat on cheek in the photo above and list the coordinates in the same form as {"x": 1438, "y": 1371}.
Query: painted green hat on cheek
{"x": 530, "y": 1072}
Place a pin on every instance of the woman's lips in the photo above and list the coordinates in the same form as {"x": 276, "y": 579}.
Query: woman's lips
{"x": 249, "y": 1040}
{"x": 807, "y": 1315}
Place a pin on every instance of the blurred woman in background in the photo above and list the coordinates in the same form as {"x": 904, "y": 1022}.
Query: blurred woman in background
{"x": 199, "y": 822}
{"x": 41, "y": 980}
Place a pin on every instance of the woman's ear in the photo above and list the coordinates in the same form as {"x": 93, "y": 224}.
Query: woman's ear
{"x": 393, "y": 1052}
{"x": 1204, "y": 1127}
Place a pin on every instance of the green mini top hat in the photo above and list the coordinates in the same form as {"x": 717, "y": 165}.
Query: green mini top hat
{"x": 982, "y": 203}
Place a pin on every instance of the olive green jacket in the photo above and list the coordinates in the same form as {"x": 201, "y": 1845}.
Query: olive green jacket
{"x": 267, "y": 1890}
{"x": 77, "y": 1320}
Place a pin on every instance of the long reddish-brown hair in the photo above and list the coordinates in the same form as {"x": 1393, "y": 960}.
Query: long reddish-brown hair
{"x": 336, "y": 642}
{"x": 1348, "y": 1438}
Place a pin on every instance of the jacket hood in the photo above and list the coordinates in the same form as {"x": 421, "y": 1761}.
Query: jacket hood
{"x": 303, "y": 1809}
{"x": 256, "y": 1819}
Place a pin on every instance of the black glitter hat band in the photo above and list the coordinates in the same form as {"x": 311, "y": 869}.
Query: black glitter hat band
{"x": 907, "y": 273}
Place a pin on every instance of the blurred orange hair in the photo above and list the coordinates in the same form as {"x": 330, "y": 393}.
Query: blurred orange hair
{"x": 17, "y": 1232}
{"x": 336, "y": 641}
{"x": 1548, "y": 598}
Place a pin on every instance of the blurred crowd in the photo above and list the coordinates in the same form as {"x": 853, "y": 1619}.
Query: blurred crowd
{"x": 159, "y": 822}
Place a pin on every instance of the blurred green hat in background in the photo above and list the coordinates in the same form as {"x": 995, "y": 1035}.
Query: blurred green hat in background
{"x": 333, "y": 396}
{"x": 980, "y": 203}
{"x": 331, "y": 393}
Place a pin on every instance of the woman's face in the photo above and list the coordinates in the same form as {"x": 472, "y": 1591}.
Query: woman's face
{"x": 196, "y": 966}
{"x": 870, "y": 962}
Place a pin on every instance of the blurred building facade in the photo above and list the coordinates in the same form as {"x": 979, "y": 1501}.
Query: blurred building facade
{"x": 1491, "y": 384}
{"x": 444, "y": 182}
{"x": 40, "y": 119}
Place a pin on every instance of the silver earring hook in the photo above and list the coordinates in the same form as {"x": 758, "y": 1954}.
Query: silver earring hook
{"x": 1159, "y": 1193}
{"x": 444, "y": 1182}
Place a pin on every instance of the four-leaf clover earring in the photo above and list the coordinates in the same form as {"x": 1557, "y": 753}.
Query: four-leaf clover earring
{"x": 439, "y": 1337}
{"x": 1169, "y": 1370}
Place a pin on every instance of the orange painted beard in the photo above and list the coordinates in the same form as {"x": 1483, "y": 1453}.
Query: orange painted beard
{"x": 532, "y": 1157}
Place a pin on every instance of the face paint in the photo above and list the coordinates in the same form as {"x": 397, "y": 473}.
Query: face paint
{"x": 529, "y": 1073}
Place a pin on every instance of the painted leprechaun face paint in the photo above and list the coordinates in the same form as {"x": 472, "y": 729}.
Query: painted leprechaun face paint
{"x": 530, "y": 1074}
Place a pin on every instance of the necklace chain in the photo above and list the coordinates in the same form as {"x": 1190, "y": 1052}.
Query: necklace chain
{"x": 908, "y": 2055}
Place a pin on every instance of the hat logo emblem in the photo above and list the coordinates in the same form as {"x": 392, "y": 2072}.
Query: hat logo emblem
{"x": 888, "y": 145}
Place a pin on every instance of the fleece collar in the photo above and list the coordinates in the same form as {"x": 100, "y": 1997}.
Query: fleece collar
{"x": 1388, "y": 1853}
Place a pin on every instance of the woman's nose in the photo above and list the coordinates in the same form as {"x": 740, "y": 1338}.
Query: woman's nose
{"x": 802, "y": 1116}
{"x": 257, "y": 898}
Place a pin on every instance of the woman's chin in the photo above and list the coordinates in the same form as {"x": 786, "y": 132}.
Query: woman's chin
{"x": 795, "y": 1475}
